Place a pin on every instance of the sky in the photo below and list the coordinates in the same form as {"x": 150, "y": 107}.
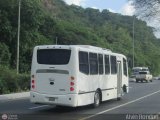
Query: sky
{"x": 117, "y": 6}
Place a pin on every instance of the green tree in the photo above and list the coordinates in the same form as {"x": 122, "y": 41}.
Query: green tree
{"x": 4, "y": 54}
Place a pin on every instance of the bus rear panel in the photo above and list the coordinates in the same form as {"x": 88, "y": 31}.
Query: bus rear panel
{"x": 52, "y": 80}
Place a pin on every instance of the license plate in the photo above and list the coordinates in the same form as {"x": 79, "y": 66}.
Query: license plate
{"x": 52, "y": 98}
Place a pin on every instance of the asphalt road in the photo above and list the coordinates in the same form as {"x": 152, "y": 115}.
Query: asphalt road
{"x": 142, "y": 102}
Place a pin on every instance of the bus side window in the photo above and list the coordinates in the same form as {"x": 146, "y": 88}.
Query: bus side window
{"x": 113, "y": 65}
{"x": 107, "y": 65}
{"x": 100, "y": 63}
{"x": 124, "y": 67}
{"x": 83, "y": 62}
{"x": 93, "y": 61}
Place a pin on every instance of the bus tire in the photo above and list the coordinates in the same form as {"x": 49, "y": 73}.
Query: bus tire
{"x": 97, "y": 99}
{"x": 119, "y": 98}
{"x": 124, "y": 88}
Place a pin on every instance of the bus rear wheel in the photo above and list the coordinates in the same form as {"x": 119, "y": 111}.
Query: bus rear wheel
{"x": 96, "y": 99}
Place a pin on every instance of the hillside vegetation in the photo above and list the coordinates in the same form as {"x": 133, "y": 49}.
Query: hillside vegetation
{"x": 44, "y": 21}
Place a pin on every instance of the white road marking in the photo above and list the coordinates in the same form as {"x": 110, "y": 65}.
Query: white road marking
{"x": 133, "y": 101}
{"x": 38, "y": 107}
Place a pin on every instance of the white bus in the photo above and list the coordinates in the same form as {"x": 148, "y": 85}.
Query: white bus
{"x": 77, "y": 75}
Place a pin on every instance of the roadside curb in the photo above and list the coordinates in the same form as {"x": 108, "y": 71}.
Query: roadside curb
{"x": 14, "y": 96}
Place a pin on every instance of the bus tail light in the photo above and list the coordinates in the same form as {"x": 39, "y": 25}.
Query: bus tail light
{"x": 71, "y": 89}
{"x": 33, "y": 86}
{"x": 72, "y": 78}
{"x": 72, "y": 83}
{"x": 33, "y": 82}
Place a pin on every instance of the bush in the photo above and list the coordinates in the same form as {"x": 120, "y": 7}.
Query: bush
{"x": 24, "y": 82}
{"x": 11, "y": 82}
{"x": 3, "y": 88}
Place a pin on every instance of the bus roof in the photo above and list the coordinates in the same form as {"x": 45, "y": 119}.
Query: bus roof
{"x": 84, "y": 47}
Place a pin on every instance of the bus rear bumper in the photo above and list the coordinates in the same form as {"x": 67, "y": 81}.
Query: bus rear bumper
{"x": 64, "y": 100}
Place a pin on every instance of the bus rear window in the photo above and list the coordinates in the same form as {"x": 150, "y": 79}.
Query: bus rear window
{"x": 53, "y": 56}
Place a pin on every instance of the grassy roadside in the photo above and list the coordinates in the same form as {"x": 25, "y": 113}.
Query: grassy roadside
{"x": 10, "y": 82}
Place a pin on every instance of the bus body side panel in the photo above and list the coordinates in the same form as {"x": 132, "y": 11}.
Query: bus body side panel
{"x": 109, "y": 89}
{"x": 125, "y": 79}
{"x": 87, "y": 85}
{"x": 108, "y": 84}
{"x": 86, "y": 89}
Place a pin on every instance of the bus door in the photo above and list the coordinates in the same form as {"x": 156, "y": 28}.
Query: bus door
{"x": 119, "y": 79}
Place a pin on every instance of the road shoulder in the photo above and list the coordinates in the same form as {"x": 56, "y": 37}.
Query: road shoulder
{"x": 14, "y": 96}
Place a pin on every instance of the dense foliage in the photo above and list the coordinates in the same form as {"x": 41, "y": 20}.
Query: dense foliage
{"x": 11, "y": 82}
{"x": 48, "y": 21}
